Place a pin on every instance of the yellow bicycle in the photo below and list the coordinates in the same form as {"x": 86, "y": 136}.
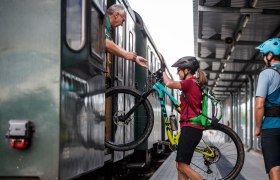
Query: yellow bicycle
{"x": 219, "y": 155}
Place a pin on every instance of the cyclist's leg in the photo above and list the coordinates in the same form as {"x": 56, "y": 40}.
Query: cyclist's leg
{"x": 270, "y": 142}
{"x": 274, "y": 173}
{"x": 181, "y": 175}
{"x": 185, "y": 171}
{"x": 189, "y": 139}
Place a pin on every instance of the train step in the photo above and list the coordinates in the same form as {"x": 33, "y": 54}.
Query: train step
{"x": 135, "y": 165}
{"x": 166, "y": 143}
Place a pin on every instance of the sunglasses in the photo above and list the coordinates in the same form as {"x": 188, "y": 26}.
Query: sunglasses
{"x": 264, "y": 55}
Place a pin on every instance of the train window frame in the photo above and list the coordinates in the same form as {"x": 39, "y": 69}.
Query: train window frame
{"x": 155, "y": 64}
{"x": 131, "y": 47}
{"x": 130, "y": 41}
{"x": 69, "y": 25}
{"x": 158, "y": 65}
{"x": 119, "y": 40}
{"x": 100, "y": 51}
{"x": 152, "y": 61}
{"x": 149, "y": 57}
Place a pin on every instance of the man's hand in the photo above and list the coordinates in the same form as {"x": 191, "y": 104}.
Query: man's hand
{"x": 141, "y": 61}
{"x": 258, "y": 132}
{"x": 131, "y": 56}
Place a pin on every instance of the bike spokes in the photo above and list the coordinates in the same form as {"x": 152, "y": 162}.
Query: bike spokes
{"x": 227, "y": 155}
{"x": 127, "y": 124}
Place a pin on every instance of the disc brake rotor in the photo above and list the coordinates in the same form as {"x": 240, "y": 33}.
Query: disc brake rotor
{"x": 217, "y": 155}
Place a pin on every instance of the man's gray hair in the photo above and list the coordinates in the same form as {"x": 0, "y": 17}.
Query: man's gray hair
{"x": 116, "y": 8}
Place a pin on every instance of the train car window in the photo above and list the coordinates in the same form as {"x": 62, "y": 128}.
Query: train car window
{"x": 149, "y": 57}
{"x": 155, "y": 65}
{"x": 120, "y": 63}
{"x": 75, "y": 23}
{"x": 101, "y": 4}
{"x": 97, "y": 33}
{"x": 131, "y": 48}
{"x": 130, "y": 66}
{"x": 158, "y": 65}
{"x": 152, "y": 62}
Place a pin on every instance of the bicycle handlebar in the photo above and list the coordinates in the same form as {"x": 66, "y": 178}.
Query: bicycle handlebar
{"x": 158, "y": 75}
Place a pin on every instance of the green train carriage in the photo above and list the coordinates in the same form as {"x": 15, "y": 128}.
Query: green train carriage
{"x": 53, "y": 74}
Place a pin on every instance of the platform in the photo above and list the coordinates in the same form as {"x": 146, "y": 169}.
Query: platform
{"x": 253, "y": 168}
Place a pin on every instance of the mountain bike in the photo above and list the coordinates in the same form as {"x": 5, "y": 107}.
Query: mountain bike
{"x": 219, "y": 155}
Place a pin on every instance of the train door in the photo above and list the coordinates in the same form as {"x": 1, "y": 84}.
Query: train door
{"x": 121, "y": 73}
{"x": 82, "y": 87}
{"x": 129, "y": 73}
{"x": 115, "y": 77}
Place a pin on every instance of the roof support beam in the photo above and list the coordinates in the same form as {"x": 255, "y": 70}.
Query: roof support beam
{"x": 230, "y": 61}
{"x": 238, "y": 10}
{"x": 228, "y": 80}
{"x": 233, "y": 72}
{"x": 239, "y": 43}
{"x": 229, "y": 9}
{"x": 223, "y": 86}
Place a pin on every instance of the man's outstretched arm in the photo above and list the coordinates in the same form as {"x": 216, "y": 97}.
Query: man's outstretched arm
{"x": 118, "y": 51}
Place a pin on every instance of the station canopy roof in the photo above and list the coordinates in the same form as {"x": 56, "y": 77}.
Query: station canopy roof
{"x": 226, "y": 33}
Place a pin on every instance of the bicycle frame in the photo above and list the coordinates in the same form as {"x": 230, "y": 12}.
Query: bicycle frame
{"x": 160, "y": 89}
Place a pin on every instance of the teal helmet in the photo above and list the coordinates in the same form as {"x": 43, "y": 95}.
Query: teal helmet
{"x": 271, "y": 45}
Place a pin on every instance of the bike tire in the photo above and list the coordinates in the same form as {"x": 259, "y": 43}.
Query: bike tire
{"x": 229, "y": 154}
{"x": 126, "y": 136}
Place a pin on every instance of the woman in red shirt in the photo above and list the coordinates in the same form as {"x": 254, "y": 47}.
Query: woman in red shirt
{"x": 191, "y": 134}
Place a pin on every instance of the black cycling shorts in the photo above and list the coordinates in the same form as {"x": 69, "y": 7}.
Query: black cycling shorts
{"x": 188, "y": 140}
{"x": 270, "y": 142}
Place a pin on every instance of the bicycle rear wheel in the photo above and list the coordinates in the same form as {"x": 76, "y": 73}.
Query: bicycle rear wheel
{"x": 122, "y": 135}
{"x": 229, "y": 154}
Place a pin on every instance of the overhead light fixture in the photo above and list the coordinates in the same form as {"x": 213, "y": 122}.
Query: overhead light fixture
{"x": 238, "y": 35}
{"x": 225, "y": 65}
{"x": 232, "y": 48}
{"x": 254, "y": 3}
{"x": 246, "y": 19}
{"x": 228, "y": 58}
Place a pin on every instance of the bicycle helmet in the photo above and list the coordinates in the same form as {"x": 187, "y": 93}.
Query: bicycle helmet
{"x": 187, "y": 62}
{"x": 271, "y": 45}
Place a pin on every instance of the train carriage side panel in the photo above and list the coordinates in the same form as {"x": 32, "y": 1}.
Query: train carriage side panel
{"x": 145, "y": 48}
{"x": 30, "y": 85}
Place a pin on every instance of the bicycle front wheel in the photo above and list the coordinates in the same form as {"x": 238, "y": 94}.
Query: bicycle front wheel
{"x": 229, "y": 153}
{"x": 126, "y": 134}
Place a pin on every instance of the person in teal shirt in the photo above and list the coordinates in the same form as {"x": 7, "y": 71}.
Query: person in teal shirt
{"x": 267, "y": 110}
{"x": 116, "y": 16}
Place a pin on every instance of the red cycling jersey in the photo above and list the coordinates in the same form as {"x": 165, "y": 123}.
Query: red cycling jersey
{"x": 194, "y": 95}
